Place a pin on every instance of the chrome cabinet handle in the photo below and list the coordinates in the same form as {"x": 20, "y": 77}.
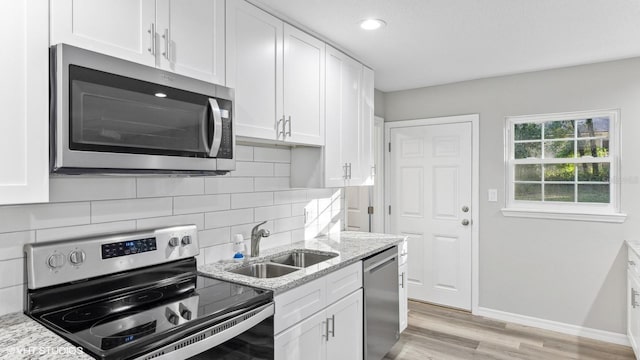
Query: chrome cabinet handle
{"x": 278, "y": 127}
{"x": 634, "y": 293}
{"x": 167, "y": 43}
{"x": 402, "y": 276}
{"x": 333, "y": 326}
{"x": 344, "y": 167}
{"x": 349, "y": 171}
{"x": 326, "y": 330}
{"x": 288, "y": 121}
{"x": 152, "y": 32}
{"x": 465, "y": 222}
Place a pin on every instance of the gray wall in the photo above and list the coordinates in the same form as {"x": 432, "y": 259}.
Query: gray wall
{"x": 220, "y": 206}
{"x": 567, "y": 271}
{"x": 378, "y": 103}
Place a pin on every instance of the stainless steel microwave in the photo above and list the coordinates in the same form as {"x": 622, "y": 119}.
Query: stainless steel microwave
{"x": 113, "y": 116}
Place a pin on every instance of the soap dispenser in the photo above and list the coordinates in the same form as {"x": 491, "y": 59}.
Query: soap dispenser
{"x": 238, "y": 247}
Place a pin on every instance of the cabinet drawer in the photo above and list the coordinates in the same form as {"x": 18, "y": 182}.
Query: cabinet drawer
{"x": 299, "y": 303}
{"x": 634, "y": 262}
{"x": 343, "y": 282}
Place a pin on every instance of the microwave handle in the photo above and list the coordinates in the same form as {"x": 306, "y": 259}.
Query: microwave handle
{"x": 217, "y": 128}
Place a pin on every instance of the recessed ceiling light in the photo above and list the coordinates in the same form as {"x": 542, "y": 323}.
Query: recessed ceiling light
{"x": 372, "y": 24}
{"x": 160, "y": 95}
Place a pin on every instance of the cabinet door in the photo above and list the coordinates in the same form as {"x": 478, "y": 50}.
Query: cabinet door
{"x": 343, "y": 84}
{"x": 303, "y": 87}
{"x": 633, "y": 311}
{"x": 362, "y": 169}
{"x": 24, "y": 149}
{"x": 254, "y": 69}
{"x": 403, "y": 293}
{"x": 299, "y": 303}
{"x": 191, "y": 38}
{"x": 305, "y": 340}
{"x": 345, "y": 328}
{"x": 120, "y": 28}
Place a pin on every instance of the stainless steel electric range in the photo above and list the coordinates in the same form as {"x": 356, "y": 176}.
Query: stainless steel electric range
{"x": 138, "y": 295}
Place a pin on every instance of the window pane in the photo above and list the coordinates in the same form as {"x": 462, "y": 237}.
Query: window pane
{"x": 528, "y": 150}
{"x": 559, "y": 192}
{"x": 593, "y": 172}
{"x": 528, "y": 131}
{"x": 593, "y": 193}
{"x": 559, "y": 172}
{"x": 528, "y": 173}
{"x": 594, "y": 148}
{"x": 559, "y": 129}
{"x": 530, "y": 192}
{"x": 558, "y": 149}
{"x": 593, "y": 127}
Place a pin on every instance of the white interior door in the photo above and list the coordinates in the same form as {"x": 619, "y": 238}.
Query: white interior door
{"x": 358, "y": 201}
{"x": 430, "y": 174}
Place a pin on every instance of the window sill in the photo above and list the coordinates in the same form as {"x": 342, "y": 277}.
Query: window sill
{"x": 564, "y": 215}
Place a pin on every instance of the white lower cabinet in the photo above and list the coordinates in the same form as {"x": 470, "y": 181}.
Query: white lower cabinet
{"x": 322, "y": 319}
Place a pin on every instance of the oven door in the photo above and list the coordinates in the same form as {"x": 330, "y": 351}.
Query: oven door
{"x": 106, "y": 119}
{"x": 246, "y": 336}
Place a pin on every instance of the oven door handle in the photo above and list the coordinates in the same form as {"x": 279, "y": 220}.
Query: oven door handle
{"x": 191, "y": 346}
{"x": 217, "y": 128}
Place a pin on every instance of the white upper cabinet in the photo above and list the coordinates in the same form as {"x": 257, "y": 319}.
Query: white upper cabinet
{"x": 304, "y": 80}
{"x": 24, "y": 99}
{"x": 349, "y": 121}
{"x": 120, "y": 28}
{"x": 254, "y": 69}
{"x": 191, "y": 38}
{"x": 182, "y": 36}
{"x": 277, "y": 72}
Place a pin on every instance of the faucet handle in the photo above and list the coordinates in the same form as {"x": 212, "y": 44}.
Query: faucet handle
{"x": 255, "y": 228}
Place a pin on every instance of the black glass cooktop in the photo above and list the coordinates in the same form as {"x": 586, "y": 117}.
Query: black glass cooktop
{"x": 137, "y": 318}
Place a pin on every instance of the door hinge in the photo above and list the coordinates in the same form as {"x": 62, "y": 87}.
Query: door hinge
{"x": 370, "y": 210}
{"x": 389, "y": 209}
{"x": 389, "y": 147}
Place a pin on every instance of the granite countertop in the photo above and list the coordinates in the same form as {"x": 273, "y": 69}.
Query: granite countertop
{"x": 350, "y": 246}
{"x": 634, "y": 245}
{"x": 23, "y": 338}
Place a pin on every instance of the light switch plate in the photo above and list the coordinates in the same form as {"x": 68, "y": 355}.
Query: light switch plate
{"x": 493, "y": 195}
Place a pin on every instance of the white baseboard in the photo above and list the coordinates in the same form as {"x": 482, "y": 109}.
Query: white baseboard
{"x": 608, "y": 336}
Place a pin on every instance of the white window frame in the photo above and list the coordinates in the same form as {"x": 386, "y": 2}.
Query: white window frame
{"x": 558, "y": 210}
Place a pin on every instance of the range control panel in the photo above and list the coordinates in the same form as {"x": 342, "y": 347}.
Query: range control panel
{"x": 59, "y": 262}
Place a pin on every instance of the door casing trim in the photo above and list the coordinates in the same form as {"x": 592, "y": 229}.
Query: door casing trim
{"x": 474, "y": 119}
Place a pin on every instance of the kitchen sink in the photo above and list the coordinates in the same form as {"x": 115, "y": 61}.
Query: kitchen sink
{"x": 303, "y": 259}
{"x": 264, "y": 270}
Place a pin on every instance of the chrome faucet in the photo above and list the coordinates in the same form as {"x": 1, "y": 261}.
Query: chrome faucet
{"x": 256, "y": 235}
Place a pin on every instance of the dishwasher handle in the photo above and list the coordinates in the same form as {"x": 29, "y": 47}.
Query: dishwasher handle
{"x": 379, "y": 264}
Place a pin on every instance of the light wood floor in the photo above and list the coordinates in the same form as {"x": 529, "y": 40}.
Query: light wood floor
{"x": 439, "y": 333}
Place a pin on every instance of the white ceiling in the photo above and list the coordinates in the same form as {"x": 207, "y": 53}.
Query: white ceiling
{"x": 430, "y": 42}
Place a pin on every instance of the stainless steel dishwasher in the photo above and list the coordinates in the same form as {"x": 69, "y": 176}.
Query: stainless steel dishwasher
{"x": 381, "y": 303}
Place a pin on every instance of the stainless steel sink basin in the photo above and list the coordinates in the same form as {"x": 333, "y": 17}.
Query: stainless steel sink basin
{"x": 264, "y": 270}
{"x": 303, "y": 259}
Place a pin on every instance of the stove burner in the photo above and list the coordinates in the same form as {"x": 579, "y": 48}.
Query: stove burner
{"x": 145, "y": 297}
{"x": 90, "y": 313}
{"x": 127, "y": 324}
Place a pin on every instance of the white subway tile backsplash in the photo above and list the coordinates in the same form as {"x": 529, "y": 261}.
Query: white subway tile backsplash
{"x": 297, "y": 209}
{"x": 31, "y": 217}
{"x": 71, "y": 232}
{"x": 282, "y": 170}
{"x": 269, "y": 154}
{"x": 244, "y": 153}
{"x": 228, "y": 185}
{"x": 227, "y": 218}
{"x": 288, "y": 197}
{"x": 11, "y": 244}
{"x": 271, "y": 183}
{"x": 272, "y": 212}
{"x": 116, "y": 210}
{"x": 68, "y": 188}
{"x": 213, "y": 237}
{"x": 245, "y": 169}
{"x": 322, "y": 193}
{"x": 299, "y": 235}
{"x": 12, "y": 272}
{"x": 276, "y": 240}
{"x": 216, "y": 253}
{"x": 240, "y": 201}
{"x": 159, "y": 187}
{"x": 11, "y": 299}
{"x": 189, "y": 219}
{"x": 199, "y": 204}
{"x": 287, "y": 224}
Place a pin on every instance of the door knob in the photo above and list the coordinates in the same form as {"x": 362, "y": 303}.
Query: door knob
{"x": 465, "y": 209}
{"x": 465, "y": 222}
